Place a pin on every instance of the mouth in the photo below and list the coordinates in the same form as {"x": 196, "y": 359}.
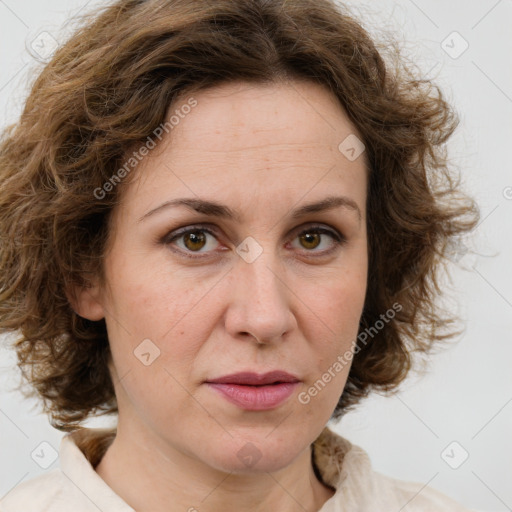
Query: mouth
{"x": 256, "y": 392}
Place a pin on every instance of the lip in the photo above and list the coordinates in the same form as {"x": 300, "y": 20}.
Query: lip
{"x": 256, "y": 392}
{"x": 255, "y": 379}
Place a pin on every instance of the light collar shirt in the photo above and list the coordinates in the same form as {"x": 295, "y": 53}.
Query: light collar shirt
{"x": 76, "y": 487}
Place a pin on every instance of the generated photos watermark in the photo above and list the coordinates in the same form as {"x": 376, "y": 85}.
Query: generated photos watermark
{"x": 345, "y": 359}
{"x": 137, "y": 156}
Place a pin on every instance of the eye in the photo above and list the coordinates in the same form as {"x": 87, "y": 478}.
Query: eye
{"x": 194, "y": 241}
{"x": 314, "y": 236}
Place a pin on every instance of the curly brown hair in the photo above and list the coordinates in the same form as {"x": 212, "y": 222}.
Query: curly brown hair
{"x": 107, "y": 89}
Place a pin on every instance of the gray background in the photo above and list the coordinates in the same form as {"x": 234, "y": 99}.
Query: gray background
{"x": 466, "y": 396}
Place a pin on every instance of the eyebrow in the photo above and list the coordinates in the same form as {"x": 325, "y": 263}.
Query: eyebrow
{"x": 214, "y": 209}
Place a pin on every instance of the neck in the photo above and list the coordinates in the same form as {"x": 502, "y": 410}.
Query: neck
{"x": 163, "y": 479}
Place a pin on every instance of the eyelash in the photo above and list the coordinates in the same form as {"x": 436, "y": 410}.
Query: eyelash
{"x": 337, "y": 238}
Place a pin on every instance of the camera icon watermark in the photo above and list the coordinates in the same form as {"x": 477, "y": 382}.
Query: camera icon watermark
{"x": 352, "y": 147}
{"x": 455, "y": 455}
{"x": 507, "y": 193}
{"x": 44, "y": 45}
{"x": 44, "y": 455}
{"x": 146, "y": 352}
{"x": 249, "y": 249}
{"x": 456, "y": 250}
{"x": 454, "y": 45}
{"x": 249, "y": 454}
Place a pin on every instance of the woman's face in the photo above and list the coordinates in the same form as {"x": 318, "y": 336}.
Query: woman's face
{"x": 256, "y": 283}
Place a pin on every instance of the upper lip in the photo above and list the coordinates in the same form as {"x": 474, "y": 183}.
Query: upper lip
{"x": 255, "y": 379}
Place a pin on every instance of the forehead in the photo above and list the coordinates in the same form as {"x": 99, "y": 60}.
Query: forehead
{"x": 244, "y": 116}
{"x": 255, "y": 141}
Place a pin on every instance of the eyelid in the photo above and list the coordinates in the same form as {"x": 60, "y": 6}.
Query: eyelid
{"x": 322, "y": 228}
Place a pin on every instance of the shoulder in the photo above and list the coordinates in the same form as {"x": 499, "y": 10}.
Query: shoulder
{"x": 347, "y": 468}
{"x": 74, "y": 485}
{"x": 415, "y": 496}
{"x": 50, "y": 492}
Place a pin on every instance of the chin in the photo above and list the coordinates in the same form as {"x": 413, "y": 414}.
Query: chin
{"x": 259, "y": 451}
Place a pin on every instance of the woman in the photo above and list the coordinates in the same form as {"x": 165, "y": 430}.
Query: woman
{"x": 224, "y": 222}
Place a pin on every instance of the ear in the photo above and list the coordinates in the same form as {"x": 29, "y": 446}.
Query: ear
{"x": 86, "y": 301}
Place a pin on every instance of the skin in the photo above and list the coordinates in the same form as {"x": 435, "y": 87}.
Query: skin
{"x": 262, "y": 150}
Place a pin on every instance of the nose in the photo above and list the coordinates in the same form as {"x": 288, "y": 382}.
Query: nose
{"x": 260, "y": 302}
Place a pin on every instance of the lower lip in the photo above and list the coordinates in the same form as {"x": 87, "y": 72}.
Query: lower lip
{"x": 256, "y": 398}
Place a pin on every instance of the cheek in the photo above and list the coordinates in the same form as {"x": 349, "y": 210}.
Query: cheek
{"x": 333, "y": 328}
{"x": 169, "y": 310}
{"x": 150, "y": 295}
{"x": 337, "y": 302}
{"x": 155, "y": 337}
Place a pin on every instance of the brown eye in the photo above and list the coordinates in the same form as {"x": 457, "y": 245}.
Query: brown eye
{"x": 200, "y": 242}
{"x": 194, "y": 240}
{"x": 316, "y": 236}
{"x": 310, "y": 240}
